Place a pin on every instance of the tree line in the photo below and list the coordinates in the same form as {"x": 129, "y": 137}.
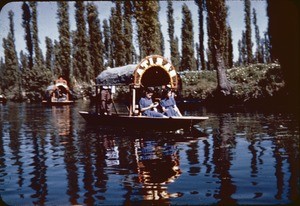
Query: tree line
{"x": 80, "y": 55}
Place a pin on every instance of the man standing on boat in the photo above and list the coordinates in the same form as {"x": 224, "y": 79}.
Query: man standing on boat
{"x": 106, "y": 99}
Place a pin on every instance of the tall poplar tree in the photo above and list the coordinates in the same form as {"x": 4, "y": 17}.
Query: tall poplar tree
{"x": 49, "y": 54}
{"x": 27, "y": 68}
{"x": 229, "y": 47}
{"x": 11, "y": 74}
{"x": 267, "y": 48}
{"x": 217, "y": 13}
{"x": 81, "y": 53}
{"x": 162, "y": 42}
{"x": 57, "y": 71}
{"x": 284, "y": 35}
{"x": 2, "y": 68}
{"x": 240, "y": 59}
{"x": 26, "y": 23}
{"x": 248, "y": 31}
{"x": 107, "y": 43}
{"x": 175, "y": 56}
{"x": 24, "y": 69}
{"x": 149, "y": 34}
{"x": 64, "y": 40}
{"x": 39, "y": 77}
{"x": 38, "y": 56}
{"x": 258, "y": 53}
{"x": 117, "y": 36}
{"x": 128, "y": 32}
{"x": 96, "y": 46}
{"x": 211, "y": 60}
{"x": 188, "y": 61}
{"x": 242, "y": 49}
{"x": 175, "y": 46}
{"x": 112, "y": 38}
{"x": 74, "y": 70}
{"x": 200, "y": 4}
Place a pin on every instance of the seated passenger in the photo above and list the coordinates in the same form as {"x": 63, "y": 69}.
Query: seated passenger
{"x": 168, "y": 104}
{"x": 147, "y": 107}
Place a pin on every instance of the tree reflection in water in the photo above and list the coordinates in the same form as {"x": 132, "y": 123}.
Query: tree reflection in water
{"x": 55, "y": 158}
{"x": 224, "y": 142}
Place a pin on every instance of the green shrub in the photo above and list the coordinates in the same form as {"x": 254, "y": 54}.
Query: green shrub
{"x": 255, "y": 81}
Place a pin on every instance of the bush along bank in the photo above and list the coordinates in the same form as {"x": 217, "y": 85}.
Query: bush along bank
{"x": 253, "y": 84}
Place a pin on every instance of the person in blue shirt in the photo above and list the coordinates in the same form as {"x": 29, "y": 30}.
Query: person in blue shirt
{"x": 168, "y": 104}
{"x": 147, "y": 107}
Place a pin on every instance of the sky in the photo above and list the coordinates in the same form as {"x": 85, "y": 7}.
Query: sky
{"x": 47, "y": 21}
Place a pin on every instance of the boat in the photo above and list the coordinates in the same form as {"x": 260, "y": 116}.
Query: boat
{"x": 2, "y": 99}
{"x": 153, "y": 71}
{"x": 58, "y": 93}
{"x": 142, "y": 122}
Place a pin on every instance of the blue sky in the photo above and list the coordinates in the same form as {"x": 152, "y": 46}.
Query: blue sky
{"x": 47, "y": 21}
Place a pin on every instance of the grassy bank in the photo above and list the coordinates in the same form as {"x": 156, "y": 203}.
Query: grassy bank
{"x": 253, "y": 83}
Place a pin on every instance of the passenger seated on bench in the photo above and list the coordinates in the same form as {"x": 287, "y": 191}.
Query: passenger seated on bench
{"x": 168, "y": 104}
{"x": 147, "y": 107}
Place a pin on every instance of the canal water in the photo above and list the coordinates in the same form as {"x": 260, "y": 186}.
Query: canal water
{"x": 50, "y": 156}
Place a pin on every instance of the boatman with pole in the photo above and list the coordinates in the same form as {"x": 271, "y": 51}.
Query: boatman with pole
{"x": 107, "y": 99}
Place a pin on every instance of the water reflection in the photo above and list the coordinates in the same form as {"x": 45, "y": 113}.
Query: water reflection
{"x": 56, "y": 158}
{"x": 224, "y": 142}
{"x": 61, "y": 117}
{"x": 157, "y": 165}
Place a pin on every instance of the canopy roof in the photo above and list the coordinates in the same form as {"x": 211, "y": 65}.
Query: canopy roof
{"x": 153, "y": 70}
{"x": 117, "y": 76}
{"x": 59, "y": 83}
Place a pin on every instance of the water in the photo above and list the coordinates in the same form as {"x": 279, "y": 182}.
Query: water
{"x": 50, "y": 156}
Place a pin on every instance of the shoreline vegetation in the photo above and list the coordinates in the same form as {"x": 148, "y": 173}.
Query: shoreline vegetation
{"x": 252, "y": 84}
{"x": 81, "y": 54}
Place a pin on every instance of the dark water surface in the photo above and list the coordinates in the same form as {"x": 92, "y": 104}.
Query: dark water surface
{"x": 50, "y": 156}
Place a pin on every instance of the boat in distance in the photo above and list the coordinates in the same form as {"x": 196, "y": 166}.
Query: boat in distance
{"x": 153, "y": 71}
{"x": 58, "y": 93}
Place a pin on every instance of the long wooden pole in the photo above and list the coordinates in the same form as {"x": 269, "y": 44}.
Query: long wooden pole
{"x": 97, "y": 99}
{"x": 133, "y": 100}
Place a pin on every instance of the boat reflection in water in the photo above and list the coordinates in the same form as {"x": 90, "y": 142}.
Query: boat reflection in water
{"x": 111, "y": 152}
{"x": 61, "y": 117}
{"x": 158, "y": 165}
{"x": 55, "y": 158}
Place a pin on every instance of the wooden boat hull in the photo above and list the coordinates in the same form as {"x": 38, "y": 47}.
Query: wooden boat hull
{"x": 2, "y": 99}
{"x": 142, "y": 122}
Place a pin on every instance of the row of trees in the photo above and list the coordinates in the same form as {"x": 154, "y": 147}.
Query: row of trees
{"x": 82, "y": 54}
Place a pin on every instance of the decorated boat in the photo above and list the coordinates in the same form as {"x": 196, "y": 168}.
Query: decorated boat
{"x": 2, "y": 98}
{"x": 58, "y": 93}
{"x": 153, "y": 71}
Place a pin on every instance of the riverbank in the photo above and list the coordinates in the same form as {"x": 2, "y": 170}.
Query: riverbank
{"x": 254, "y": 84}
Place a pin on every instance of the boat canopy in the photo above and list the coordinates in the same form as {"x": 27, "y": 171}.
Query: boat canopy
{"x": 51, "y": 87}
{"x": 152, "y": 71}
{"x": 117, "y": 76}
